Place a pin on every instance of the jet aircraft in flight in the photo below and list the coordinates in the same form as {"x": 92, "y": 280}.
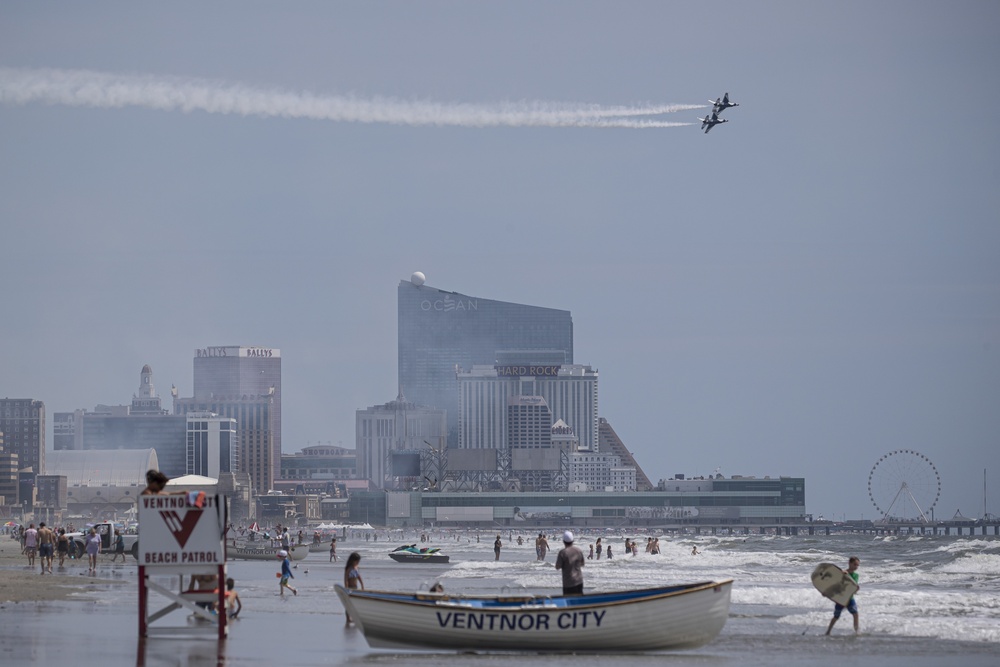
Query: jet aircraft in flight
{"x": 708, "y": 122}
{"x": 721, "y": 104}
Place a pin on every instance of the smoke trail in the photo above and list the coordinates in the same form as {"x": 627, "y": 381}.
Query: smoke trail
{"x": 112, "y": 91}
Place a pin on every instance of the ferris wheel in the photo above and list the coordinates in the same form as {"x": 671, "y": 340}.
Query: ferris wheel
{"x": 904, "y": 484}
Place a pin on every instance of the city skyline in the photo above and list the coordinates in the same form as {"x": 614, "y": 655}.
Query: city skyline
{"x": 804, "y": 289}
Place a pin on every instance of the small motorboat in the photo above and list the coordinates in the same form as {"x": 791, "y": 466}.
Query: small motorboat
{"x": 411, "y": 553}
{"x": 650, "y": 619}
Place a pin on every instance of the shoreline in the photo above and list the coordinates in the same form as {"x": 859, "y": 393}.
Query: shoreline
{"x": 19, "y": 584}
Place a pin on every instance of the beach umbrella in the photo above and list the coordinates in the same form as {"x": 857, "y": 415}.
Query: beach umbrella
{"x": 10, "y": 524}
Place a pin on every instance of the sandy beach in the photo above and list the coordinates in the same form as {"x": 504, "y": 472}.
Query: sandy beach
{"x": 19, "y": 584}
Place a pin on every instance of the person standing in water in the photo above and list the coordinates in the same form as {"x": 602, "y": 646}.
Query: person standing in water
{"x": 352, "y": 577}
{"x": 852, "y": 606}
{"x": 570, "y": 561}
{"x": 233, "y": 604}
{"x": 541, "y": 546}
{"x": 497, "y": 544}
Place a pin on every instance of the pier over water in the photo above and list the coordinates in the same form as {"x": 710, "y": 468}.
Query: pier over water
{"x": 957, "y": 528}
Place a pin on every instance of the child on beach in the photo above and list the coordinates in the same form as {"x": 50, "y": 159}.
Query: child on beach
{"x": 285, "y": 574}
{"x": 352, "y": 577}
{"x": 333, "y": 549}
{"x": 233, "y": 604}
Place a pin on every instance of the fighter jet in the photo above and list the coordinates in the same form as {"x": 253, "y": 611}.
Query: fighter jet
{"x": 721, "y": 104}
{"x": 708, "y": 122}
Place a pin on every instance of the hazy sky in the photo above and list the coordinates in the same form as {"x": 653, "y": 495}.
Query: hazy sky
{"x": 804, "y": 289}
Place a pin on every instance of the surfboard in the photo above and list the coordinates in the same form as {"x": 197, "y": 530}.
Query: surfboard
{"x": 834, "y": 583}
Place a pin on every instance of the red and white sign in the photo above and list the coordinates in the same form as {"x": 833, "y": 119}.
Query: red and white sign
{"x": 172, "y": 532}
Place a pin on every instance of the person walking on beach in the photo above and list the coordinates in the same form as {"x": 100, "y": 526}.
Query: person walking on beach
{"x": 119, "y": 546}
{"x": 93, "y": 549}
{"x": 333, "y": 549}
{"x": 30, "y": 545}
{"x": 570, "y": 561}
{"x": 62, "y": 547}
{"x": 285, "y": 574}
{"x": 352, "y": 577}
{"x": 46, "y": 547}
{"x": 541, "y": 547}
{"x": 852, "y": 569}
{"x": 496, "y": 547}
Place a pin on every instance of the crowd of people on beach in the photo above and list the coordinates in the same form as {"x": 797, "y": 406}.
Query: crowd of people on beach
{"x": 55, "y": 546}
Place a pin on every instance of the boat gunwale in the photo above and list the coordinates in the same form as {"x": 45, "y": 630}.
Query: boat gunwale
{"x": 531, "y": 603}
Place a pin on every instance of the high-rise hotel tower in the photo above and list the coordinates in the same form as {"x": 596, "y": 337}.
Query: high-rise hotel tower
{"x": 243, "y": 383}
{"x": 441, "y": 331}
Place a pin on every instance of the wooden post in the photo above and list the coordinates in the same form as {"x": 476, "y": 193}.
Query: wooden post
{"x": 143, "y": 601}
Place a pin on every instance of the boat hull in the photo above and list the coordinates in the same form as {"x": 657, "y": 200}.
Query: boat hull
{"x": 670, "y": 617}
{"x": 407, "y": 557}
{"x": 298, "y": 552}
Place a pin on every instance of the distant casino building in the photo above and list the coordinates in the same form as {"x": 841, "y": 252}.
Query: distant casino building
{"x": 243, "y": 383}
{"x": 732, "y": 502}
{"x": 22, "y": 423}
{"x": 392, "y": 438}
{"x": 591, "y": 472}
{"x": 320, "y": 462}
{"x": 439, "y": 331}
{"x": 490, "y": 396}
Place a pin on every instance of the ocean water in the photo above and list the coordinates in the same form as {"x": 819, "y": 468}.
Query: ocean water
{"x": 924, "y": 600}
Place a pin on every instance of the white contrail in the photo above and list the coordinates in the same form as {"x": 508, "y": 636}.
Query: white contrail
{"x": 111, "y": 91}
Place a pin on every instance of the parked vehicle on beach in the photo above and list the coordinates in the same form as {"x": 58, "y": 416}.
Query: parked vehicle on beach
{"x": 106, "y": 529}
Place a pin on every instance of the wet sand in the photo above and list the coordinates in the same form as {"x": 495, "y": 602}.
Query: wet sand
{"x": 19, "y": 583}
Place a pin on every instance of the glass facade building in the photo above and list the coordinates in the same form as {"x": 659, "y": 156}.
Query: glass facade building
{"x": 439, "y": 331}
{"x": 211, "y": 444}
{"x": 163, "y": 433}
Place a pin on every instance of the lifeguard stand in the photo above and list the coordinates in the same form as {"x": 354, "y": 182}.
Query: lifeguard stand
{"x": 183, "y": 535}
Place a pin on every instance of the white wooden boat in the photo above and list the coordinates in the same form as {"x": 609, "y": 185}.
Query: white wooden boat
{"x": 319, "y": 547}
{"x": 258, "y": 550}
{"x": 651, "y": 619}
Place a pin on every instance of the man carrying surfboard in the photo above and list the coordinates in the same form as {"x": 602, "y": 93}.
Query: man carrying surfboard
{"x": 852, "y": 569}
